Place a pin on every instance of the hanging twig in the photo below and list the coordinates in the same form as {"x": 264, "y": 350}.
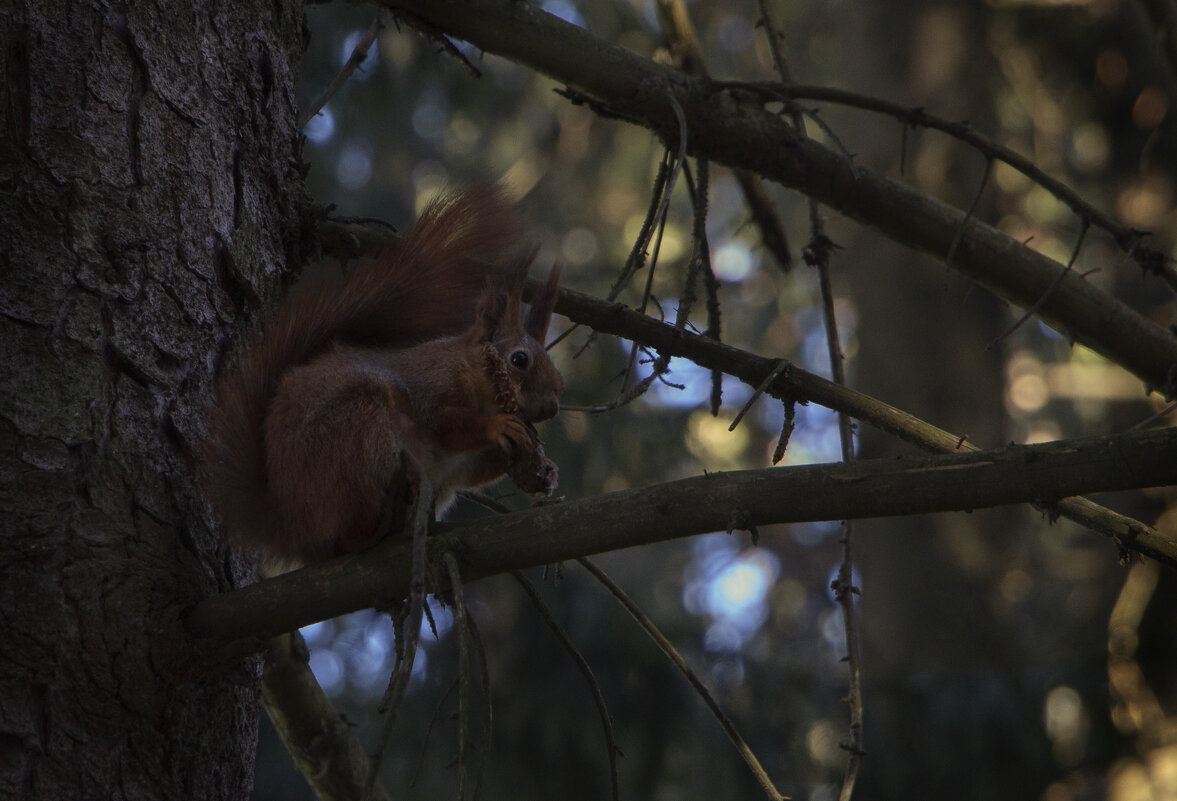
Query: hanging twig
{"x": 655, "y": 216}
{"x": 398, "y": 683}
{"x": 786, "y": 431}
{"x": 817, "y": 254}
{"x": 439, "y": 38}
{"x": 488, "y": 719}
{"x": 782, "y": 365}
{"x": 585, "y": 670}
{"x": 429, "y": 731}
{"x": 672, "y": 653}
{"x": 701, "y": 262}
{"x": 661, "y": 365}
{"x": 461, "y": 624}
{"x": 637, "y": 254}
{"x": 700, "y": 249}
{"x": 684, "y": 44}
{"x": 647, "y": 294}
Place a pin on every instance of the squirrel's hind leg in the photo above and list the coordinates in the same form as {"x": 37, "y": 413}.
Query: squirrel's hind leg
{"x": 333, "y": 457}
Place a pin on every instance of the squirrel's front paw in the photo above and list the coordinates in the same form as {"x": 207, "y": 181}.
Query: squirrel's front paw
{"x": 513, "y": 434}
{"x": 533, "y": 472}
{"x": 528, "y": 467}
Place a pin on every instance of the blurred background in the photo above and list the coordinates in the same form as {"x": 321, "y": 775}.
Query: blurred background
{"x": 1003, "y": 656}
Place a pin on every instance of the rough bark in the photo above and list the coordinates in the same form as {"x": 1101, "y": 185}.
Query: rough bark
{"x": 150, "y": 175}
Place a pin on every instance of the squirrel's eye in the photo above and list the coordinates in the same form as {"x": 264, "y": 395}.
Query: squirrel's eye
{"x": 519, "y": 359}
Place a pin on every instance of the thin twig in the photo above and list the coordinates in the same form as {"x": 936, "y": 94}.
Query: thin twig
{"x": 429, "y": 730}
{"x": 582, "y": 664}
{"x": 439, "y": 38}
{"x": 969, "y": 214}
{"x": 663, "y": 206}
{"x": 672, "y": 653}
{"x": 655, "y": 213}
{"x": 680, "y": 159}
{"x": 1146, "y": 422}
{"x": 701, "y": 261}
{"x": 1030, "y": 312}
{"x": 655, "y": 216}
{"x": 661, "y": 367}
{"x": 647, "y": 293}
{"x": 699, "y": 246}
{"x": 782, "y": 365}
{"x": 358, "y": 54}
{"x": 843, "y": 585}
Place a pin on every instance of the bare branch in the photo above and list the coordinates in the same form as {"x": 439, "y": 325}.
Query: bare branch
{"x": 877, "y": 488}
{"x": 1129, "y": 239}
{"x": 582, "y": 664}
{"x": 676, "y": 658}
{"x": 738, "y": 132}
{"x": 800, "y": 385}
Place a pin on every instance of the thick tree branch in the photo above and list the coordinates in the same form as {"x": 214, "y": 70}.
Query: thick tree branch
{"x": 738, "y": 132}
{"x": 1130, "y": 240}
{"x": 321, "y": 743}
{"x": 879, "y": 488}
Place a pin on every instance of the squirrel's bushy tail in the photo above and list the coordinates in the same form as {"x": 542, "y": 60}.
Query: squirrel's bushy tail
{"x": 422, "y": 288}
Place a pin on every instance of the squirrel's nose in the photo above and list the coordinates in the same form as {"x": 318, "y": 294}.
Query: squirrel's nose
{"x": 548, "y": 410}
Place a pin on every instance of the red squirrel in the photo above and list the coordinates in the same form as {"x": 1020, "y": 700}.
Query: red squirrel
{"x": 413, "y": 362}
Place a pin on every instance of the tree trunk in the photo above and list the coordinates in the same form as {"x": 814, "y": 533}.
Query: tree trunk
{"x": 150, "y": 195}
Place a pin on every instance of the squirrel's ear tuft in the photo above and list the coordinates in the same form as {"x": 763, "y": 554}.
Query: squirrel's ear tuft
{"x": 542, "y": 307}
{"x": 491, "y": 317}
{"x": 516, "y": 278}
